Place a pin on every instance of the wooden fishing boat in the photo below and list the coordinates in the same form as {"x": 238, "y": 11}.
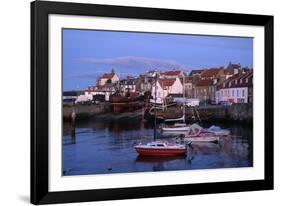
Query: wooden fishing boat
{"x": 121, "y": 103}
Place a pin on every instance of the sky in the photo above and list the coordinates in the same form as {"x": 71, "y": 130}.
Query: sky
{"x": 87, "y": 54}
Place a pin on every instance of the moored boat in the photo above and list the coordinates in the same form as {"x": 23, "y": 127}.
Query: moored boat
{"x": 219, "y": 131}
{"x": 202, "y": 139}
{"x": 161, "y": 148}
{"x": 199, "y": 134}
{"x": 177, "y": 127}
{"x": 121, "y": 103}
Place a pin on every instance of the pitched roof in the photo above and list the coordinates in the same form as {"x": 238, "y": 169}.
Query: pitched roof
{"x": 211, "y": 72}
{"x": 233, "y": 66}
{"x": 229, "y": 71}
{"x": 172, "y": 73}
{"x": 166, "y": 82}
{"x": 188, "y": 81}
{"x": 107, "y": 75}
{"x": 238, "y": 80}
{"x": 204, "y": 83}
{"x": 197, "y": 71}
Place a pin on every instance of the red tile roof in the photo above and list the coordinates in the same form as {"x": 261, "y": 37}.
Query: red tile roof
{"x": 204, "y": 83}
{"x": 108, "y": 75}
{"x": 211, "y": 72}
{"x": 171, "y": 73}
{"x": 166, "y": 82}
{"x": 188, "y": 81}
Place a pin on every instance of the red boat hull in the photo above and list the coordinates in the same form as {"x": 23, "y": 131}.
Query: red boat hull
{"x": 160, "y": 152}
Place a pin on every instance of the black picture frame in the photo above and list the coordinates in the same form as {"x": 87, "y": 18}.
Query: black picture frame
{"x": 39, "y": 102}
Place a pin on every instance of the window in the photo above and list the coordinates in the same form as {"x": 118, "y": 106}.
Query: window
{"x": 232, "y": 93}
{"x": 243, "y": 93}
{"x": 237, "y": 92}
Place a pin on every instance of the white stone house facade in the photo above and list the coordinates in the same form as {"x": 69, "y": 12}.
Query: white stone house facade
{"x": 166, "y": 87}
{"x": 107, "y": 78}
{"x": 235, "y": 89}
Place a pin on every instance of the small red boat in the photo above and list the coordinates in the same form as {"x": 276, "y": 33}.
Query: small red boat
{"x": 160, "y": 148}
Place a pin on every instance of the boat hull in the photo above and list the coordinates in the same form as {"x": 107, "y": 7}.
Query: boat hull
{"x": 160, "y": 152}
{"x": 202, "y": 139}
{"x": 222, "y": 133}
{"x": 176, "y": 129}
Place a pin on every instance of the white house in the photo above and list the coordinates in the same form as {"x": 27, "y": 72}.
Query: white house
{"x": 105, "y": 90}
{"x": 235, "y": 89}
{"x": 110, "y": 78}
{"x": 91, "y": 91}
{"x": 166, "y": 87}
{"x": 128, "y": 85}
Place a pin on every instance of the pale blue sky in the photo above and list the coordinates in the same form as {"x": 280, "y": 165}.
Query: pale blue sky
{"x": 88, "y": 53}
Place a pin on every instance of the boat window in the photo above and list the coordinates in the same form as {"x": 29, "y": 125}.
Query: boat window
{"x": 160, "y": 145}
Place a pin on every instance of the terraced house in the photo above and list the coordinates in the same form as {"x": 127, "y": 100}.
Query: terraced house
{"x": 236, "y": 89}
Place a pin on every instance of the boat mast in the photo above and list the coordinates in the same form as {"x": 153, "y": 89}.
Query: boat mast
{"x": 183, "y": 97}
{"x": 155, "y": 109}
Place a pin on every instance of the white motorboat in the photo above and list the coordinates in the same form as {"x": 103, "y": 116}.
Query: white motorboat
{"x": 177, "y": 127}
{"x": 199, "y": 134}
{"x": 219, "y": 131}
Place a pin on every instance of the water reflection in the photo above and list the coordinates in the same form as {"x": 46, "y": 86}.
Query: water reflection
{"x": 104, "y": 146}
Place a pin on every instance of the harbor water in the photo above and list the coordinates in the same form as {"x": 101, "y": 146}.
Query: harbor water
{"x": 105, "y": 145}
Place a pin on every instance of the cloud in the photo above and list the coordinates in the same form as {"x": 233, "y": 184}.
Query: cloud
{"x": 88, "y": 74}
{"x": 136, "y": 62}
